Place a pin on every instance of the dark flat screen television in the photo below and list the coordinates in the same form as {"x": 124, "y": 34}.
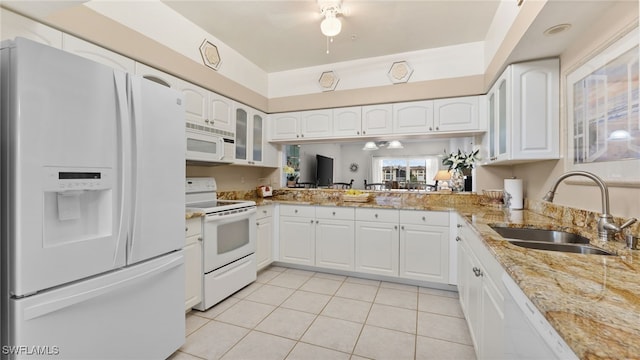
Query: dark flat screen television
{"x": 324, "y": 170}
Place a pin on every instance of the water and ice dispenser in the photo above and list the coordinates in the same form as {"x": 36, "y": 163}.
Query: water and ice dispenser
{"x": 78, "y": 204}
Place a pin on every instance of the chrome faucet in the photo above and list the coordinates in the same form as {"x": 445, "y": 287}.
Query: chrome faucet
{"x": 606, "y": 228}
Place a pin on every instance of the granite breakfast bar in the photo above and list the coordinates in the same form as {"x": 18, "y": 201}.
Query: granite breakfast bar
{"x": 592, "y": 301}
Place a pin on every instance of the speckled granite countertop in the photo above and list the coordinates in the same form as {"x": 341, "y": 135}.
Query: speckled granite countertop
{"x": 189, "y": 213}
{"x": 593, "y": 301}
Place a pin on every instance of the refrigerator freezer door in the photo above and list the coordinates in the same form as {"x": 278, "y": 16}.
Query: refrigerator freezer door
{"x": 158, "y": 170}
{"x": 68, "y": 147}
{"x": 133, "y": 313}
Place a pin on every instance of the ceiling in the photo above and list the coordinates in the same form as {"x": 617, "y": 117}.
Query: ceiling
{"x": 284, "y": 35}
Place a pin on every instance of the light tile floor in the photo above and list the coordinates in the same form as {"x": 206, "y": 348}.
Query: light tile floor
{"x": 297, "y": 314}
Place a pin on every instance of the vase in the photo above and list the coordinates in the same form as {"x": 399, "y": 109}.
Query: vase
{"x": 457, "y": 180}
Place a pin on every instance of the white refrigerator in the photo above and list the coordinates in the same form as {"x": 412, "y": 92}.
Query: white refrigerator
{"x": 92, "y": 191}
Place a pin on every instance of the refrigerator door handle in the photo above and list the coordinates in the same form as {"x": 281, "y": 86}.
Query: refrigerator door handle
{"x": 123, "y": 163}
{"x": 136, "y": 131}
{"x": 36, "y": 311}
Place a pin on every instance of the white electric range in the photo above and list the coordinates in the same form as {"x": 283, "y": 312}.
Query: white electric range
{"x": 228, "y": 240}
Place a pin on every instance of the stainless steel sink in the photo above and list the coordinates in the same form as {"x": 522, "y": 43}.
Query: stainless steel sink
{"x": 550, "y": 236}
{"x": 552, "y": 240}
{"x": 572, "y": 248}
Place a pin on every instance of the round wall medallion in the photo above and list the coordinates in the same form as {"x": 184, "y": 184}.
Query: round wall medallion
{"x": 353, "y": 167}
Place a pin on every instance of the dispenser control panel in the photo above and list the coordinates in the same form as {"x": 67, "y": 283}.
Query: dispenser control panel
{"x": 64, "y": 179}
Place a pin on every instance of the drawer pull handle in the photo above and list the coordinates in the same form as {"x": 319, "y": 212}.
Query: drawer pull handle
{"x": 295, "y": 211}
{"x": 376, "y": 216}
{"x": 424, "y": 218}
{"x": 459, "y": 226}
{"x": 334, "y": 213}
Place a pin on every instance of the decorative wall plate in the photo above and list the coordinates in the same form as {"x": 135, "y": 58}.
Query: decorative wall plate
{"x": 210, "y": 55}
{"x": 400, "y": 72}
{"x": 353, "y": 167}
{"x": 328, "y": 81}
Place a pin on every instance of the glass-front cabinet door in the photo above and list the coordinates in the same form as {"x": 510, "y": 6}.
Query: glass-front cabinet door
{"x": 242, "y": 135}
{"x": 249, "y": 135}
{"x": 492, "y": 124}
{"x": 258, "y": 136}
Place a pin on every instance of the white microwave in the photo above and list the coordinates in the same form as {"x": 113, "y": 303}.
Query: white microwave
{"x": 208, "y": 147}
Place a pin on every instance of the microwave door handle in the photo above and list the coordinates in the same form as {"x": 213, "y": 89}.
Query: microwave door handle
{"x": 221, "y": 147}
{"x": 227, "y": 218}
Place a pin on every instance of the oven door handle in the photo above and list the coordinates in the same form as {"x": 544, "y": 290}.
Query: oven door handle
{"x": 225, "y": 218}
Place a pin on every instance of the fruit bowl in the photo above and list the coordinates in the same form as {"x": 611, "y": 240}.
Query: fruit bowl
{"x": 494, "y": 195}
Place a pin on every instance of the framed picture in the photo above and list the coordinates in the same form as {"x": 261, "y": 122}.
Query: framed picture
{"x": 603, "y": 115}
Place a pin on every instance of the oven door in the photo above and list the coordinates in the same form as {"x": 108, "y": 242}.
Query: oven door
{"x": 228, "y": 237}
{"x": 204, "y": 147}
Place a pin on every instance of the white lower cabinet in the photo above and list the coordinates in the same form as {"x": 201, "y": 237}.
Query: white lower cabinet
{"x": 335, "y": 238}
{"x": 193, "y": 262}
{"x": 424, "y": 245}
{"x": 264, "y": 237}
{"x": 481, "y": 294}
{"x": 377, "y": 241}
{"x": 297, "y": 234}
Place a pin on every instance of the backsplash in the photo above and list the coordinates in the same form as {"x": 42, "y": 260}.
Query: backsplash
{"x": 578, "y": 217}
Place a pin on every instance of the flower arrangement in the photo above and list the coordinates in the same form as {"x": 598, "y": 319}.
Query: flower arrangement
{"x": 290, "y": 172}
{"x": 460, "y": 160}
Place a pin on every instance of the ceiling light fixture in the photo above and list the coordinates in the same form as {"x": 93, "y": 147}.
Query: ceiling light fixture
{"x": 331, "y": 25}
{"x": 557, "y": 29}
{"x": 393, "y": 144}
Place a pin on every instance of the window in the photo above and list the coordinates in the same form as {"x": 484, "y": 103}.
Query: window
{"x": 404, "y": 170}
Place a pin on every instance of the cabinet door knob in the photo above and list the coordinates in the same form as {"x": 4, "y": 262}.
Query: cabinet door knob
{"x": 458, "y": 238}
{"x": 424, "y": 218}
{"x": 334, "y": 213}
{"x": 357, "y": 132}
{"x": 186, "y": 229}
{"x": 437, "y": 128}
{"x": 430, "y": 128}
{"x": 312, "y": 221}
{"x": 297, "y": 135}
{"x": 295, "y": 211}
{"x": 459, "y": 225}
{"x": 395, "y": 227}
{"x": 317, "y": 221}
{"x": 363, "y": 132}
{"x": 264, "y": 211}
{"x": 376, "y": 216}
{"x": 402, "y": 227}
{"x": 301, "y": 135}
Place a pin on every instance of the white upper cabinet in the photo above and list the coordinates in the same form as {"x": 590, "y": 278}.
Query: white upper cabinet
{"x": 196, "y": 103}
{"x": 413, "y": 117}
{"x": 96, "y": 53}
{"x": 250, "y": 139}
{"x": 285, "y": 126}
{"x": 377, "y": 119}
{"x": 221, "y": 112}
{"x": 14, "y": 25}
{"x": 347, "y": 122}
{"x": 316, "y": 124}
{"x": 523, "y": 113}
{"x": 456, "y": 114}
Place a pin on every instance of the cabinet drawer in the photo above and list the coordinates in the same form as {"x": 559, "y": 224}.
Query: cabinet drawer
{"x": 298, "y": 210}
{"x": 193, "y": 226}
{"x": 264, "y": 211}
{"x": 329, "y": 212}
{"x": 379, "y": 215}
{"x": 438, "y": 218}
